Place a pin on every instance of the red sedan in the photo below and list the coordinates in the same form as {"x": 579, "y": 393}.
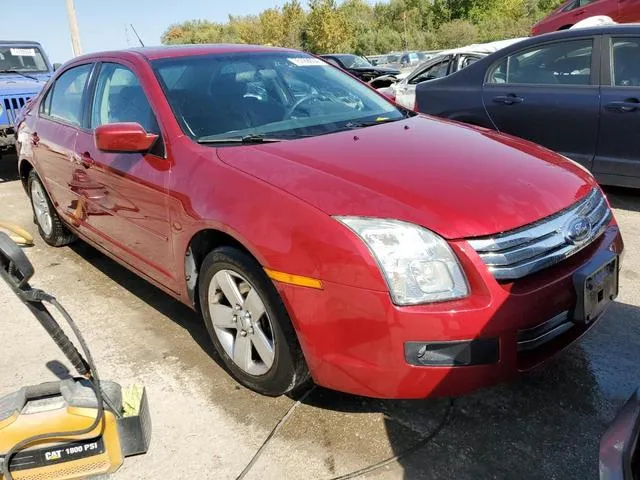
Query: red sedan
{"x": 322, "y": 231}
{"x": 574, "y": 11}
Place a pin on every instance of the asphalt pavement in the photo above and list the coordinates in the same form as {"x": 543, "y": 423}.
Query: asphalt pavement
{"x": 546, "y": 425}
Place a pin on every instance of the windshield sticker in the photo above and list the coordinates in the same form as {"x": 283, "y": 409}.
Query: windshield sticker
{"x": 23, "y": 52}
{"x": 306, "y": 61}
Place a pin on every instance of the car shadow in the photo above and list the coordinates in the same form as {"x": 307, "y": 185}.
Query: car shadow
{"x": 545, "y": 424}
{"x": 177, "y": 312}
{"x": 8, "y": 168}
{"x": 624, "y": 198}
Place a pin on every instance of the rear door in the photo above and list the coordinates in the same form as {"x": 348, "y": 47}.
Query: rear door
{"x": 549, "y": 94}
{"x": 60, "y": 116}
{"x": 618, "y": 156}
{"x": 126, "y": 194}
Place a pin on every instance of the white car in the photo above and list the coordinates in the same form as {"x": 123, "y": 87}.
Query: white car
{"x": 403, "y": 91}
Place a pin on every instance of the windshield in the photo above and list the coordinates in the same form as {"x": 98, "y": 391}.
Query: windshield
{"x": 354, "y": 61}
{"x": 22, "y": 59}
{"x": 280, "y": 94}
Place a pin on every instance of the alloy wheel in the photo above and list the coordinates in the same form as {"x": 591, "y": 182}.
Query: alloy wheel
{"x": 241, "y": 322}
{"x": 41, "y": 208}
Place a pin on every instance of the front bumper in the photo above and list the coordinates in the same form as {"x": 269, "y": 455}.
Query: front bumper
{"x": 7, "y": 137}
{"x": 355, "y": 340}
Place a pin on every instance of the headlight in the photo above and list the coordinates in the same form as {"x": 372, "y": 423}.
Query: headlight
{"x": 418, "y": 265}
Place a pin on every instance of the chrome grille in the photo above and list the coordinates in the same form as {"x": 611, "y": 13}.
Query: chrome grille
{"x": 520, "y": 252}
{"x": 12, "y": 105}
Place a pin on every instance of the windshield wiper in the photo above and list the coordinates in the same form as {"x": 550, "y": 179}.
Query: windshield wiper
{"x": 21, "y": 73}
{"x": 246, "y": 139}
{"x": 371, "y": 123}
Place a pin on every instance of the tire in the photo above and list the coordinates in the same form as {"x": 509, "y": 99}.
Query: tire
{"x": 252, "y": 332}
{"x": 50, "y": 227}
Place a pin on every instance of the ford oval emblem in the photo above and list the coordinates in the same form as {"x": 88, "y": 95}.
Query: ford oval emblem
{"x": 578, "y": 230}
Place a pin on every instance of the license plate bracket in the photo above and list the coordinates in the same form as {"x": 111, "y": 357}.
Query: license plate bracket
{"x": 596, "y": 286}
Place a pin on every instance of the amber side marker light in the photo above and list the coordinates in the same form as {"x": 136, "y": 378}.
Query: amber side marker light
{"x": 298, "y": 280}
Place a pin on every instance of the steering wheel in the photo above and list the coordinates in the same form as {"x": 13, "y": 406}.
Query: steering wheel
{"x": 308, "y": 98}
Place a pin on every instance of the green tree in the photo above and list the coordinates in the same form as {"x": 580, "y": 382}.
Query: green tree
{"x": 326, "y": 29}
{"x": 294, "y": 18}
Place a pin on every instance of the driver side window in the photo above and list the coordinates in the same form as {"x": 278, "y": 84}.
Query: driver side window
{"x": 438, "y": 70}
{"x": 119, "y": 97}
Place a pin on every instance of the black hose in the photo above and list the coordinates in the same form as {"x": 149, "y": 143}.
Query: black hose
{"x": 278, "y": 426}
{"x": 39, "y": 297}
{"x": 446, "y": 418}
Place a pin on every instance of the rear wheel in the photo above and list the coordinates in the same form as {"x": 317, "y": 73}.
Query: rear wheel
{"x": 248, "y": 323}
{"x": 50, "y": 227}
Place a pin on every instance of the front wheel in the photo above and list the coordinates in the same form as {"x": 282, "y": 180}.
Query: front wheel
{"x": 50, "y": 227}
{"x": 248, "y": 323}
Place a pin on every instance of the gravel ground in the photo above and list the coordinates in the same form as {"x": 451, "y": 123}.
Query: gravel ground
{"x": 546, "y": 425}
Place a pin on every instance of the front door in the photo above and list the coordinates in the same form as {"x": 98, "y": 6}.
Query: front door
{"x": 126, "y": 193}
{"x": 618, "y": 156}
{"x": 54, "y": 138}
{"x": 548, "y": 94}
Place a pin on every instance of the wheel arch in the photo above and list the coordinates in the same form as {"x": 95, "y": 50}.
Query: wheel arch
{"x": 199, "y": 246}
{"x": 565, "y": 27}
{"x": 24, "y": 169}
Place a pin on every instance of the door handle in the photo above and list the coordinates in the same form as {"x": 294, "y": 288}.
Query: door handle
{"x": 628, "y": 106}
{"x": 508, "y": 99}
{"x": 578, "y": 13}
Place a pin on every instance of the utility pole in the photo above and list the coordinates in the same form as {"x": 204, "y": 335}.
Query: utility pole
{"x": 73, "y": 28}
{"x": 406, "y": 38}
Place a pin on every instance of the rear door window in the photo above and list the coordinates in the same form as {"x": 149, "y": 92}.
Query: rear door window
{"x": 558, "y": 63}
{"x": 625, "y": 68}
{"x": 64, "y": 101}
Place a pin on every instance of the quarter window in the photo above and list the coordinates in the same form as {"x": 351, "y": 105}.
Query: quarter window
{"x": 559, "y": 63}
{"x": 626, "y": 62}
{"x": 120, "y": 98}
{"x": 64, "y": 99}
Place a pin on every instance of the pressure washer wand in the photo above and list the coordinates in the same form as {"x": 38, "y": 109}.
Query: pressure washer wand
{"x": 16, "y": 271}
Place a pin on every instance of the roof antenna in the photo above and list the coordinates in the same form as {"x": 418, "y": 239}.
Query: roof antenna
{"x": 134, "y": 31}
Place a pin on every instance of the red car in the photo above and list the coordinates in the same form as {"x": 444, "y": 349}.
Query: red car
{"x": 322, "y": 231}
{"x": 574, "y": 11}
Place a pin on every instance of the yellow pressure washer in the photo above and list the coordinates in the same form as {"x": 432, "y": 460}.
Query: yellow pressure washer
{"x": 76, "y": 427}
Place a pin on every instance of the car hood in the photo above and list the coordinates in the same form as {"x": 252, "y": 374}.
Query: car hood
{"x": 17, "y": 84}
{"x": 456, "y": 180}
{"x": 381, "y": 70}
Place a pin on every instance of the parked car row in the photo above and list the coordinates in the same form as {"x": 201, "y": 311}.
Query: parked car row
{"x": 576, "y": 92}
{"x": 358, "y": 66}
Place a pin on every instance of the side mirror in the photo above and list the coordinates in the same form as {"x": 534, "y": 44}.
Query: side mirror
{"x": 56, "y": 66}
{"x": 124, "y": 137}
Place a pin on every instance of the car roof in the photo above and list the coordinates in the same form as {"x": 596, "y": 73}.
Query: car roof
{"x": 604, "y": 29}
{"x": 19, "y": 42}
{"x": 172, "y": 51}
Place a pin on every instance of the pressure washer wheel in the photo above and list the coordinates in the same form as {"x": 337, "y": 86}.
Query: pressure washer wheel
{"x": 249, "y": 324}
{"x": 51, "y": 228}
